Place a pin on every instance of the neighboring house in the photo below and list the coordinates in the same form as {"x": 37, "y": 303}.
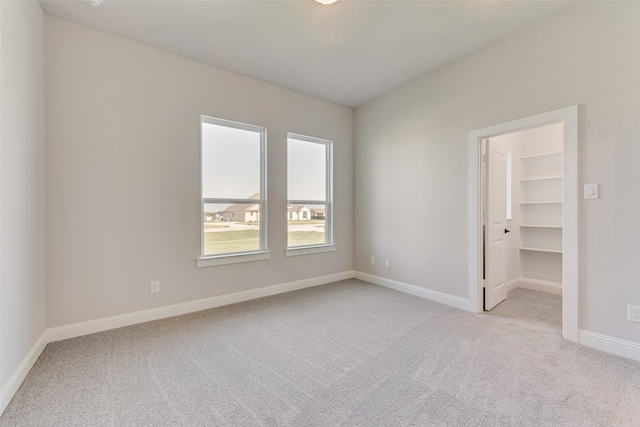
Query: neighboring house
{"x": 317, "y": 213}
{"x": 244, "y": 212}
{"x": 298, "y": 213}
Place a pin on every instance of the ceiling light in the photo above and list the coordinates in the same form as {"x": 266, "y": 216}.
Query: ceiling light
{"x": 94, "y": 3}
{"x": 326, "y": 1}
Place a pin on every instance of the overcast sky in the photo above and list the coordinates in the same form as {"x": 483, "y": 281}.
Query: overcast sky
{"x": 231, "y": 165}
{"x": 306, "y": 170}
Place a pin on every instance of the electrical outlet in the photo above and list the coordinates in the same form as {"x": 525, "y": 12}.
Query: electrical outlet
{"x": 387, "y": 263}
{"x": 373, "y": 260}
{"x": 634, "y": 313}
{"x": 155, "y": 286}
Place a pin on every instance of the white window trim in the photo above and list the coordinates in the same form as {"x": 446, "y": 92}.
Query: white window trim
{"x": 306, "y": 250}
{"x": 328, "y": 216}
{"x": 210, "y": 261}
{"x": 232, "y": 258}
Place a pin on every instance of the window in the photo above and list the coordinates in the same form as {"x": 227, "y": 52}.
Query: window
{"x": 309, "y": 193}
{"x": 233, "y": 192}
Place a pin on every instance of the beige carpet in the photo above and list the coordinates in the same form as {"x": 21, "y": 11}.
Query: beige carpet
{"x": 349, "y": 353}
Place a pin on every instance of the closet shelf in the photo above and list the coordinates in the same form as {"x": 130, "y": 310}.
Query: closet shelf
{"x": 551, "y": 153}
{"x": 553, "y": 251}
{"x": 541, "y": 178}
{"x": 542, "y": 202}
{"x": 540, "y": 207}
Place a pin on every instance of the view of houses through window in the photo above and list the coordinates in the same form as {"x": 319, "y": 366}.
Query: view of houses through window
{"x": 309, "y": 191}
{"x": 233, "y": 169}
{"x": 233, "y": 185}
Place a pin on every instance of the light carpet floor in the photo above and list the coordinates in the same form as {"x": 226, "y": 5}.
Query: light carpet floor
{"x": 344, "y": 354}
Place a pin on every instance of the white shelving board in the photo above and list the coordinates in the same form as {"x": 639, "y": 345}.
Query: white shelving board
{"x": 552, "y": 251}
{"x": 542, "y": 178}
{"x": 541, "y": 216}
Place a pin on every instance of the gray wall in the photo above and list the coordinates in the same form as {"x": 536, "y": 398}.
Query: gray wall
{"x": 123, "y": 152}
{"x": 22, "y": 190}
{"x": 411, "y": 153}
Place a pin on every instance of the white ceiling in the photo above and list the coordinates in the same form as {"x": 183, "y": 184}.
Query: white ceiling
{"x": 350, "y": 52}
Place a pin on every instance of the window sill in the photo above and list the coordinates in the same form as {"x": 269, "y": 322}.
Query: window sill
{"x": 211, "y": 261}
{"x": 306, "y": 250}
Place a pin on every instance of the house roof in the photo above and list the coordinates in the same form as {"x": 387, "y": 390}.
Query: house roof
{"x": 295, "y": 208}
{"x": 245, "y": 207}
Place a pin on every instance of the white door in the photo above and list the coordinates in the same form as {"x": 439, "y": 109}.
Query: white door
{"x": 496, "y": 244}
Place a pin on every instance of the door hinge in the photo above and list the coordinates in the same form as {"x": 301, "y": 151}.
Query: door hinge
{"x": 484, "y": 158}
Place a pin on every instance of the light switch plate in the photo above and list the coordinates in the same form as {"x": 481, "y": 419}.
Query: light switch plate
{"x": 591, "y": 191}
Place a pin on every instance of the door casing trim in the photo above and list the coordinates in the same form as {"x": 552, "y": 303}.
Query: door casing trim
{"x": 570, "y": 219}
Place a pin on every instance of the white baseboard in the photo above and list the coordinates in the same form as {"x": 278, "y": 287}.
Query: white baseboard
{"x": 594, "y": 340}
{"x": 11, "y": 387}
{"x": 92, "y": 326}
{"x": 536, "y": 285}
{"x": 513, "y": 284}
{"x": 608, "y": 344}
{"x": 442, "y": 298}
{"x": 113, "y": 322}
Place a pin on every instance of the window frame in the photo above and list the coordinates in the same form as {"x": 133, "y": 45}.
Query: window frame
{"x": 262, "y": 252}
{"x": 329, "y": 244}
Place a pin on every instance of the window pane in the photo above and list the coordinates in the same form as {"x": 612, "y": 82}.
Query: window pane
{"x": 230, "y": 162}
{"x": 231, "y": 228}
{"x": 306, "y": 225}
{"x": 306, "y": 168}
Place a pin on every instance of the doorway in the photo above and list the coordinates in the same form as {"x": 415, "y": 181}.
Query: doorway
{"x": 522, "y": 212}
{"x": 567, "y": 228}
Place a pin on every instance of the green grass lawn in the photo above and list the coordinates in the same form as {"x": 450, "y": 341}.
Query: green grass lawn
{"x": 213, "y": 225}
{"x": 224, "y": 242}
{"x": 304, "y": 238}
{"x": 305, "y": 221}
